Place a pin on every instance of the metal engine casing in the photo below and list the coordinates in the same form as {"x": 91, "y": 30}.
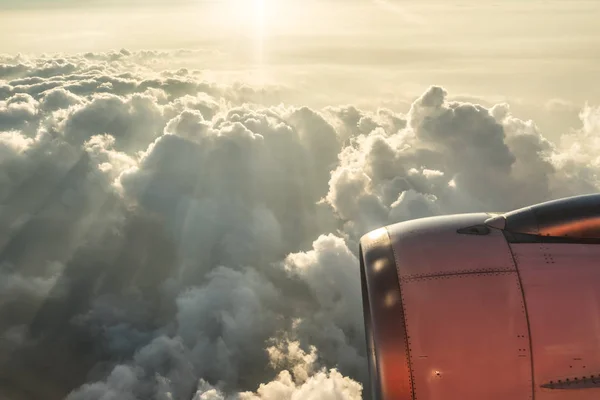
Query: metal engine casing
{"x": 485, "y": 306}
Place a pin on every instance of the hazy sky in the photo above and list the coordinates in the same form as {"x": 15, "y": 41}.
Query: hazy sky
{"x": 537, "y": 54}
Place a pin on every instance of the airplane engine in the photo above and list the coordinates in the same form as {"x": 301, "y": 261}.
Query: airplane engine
{"x": 486, "y": 306}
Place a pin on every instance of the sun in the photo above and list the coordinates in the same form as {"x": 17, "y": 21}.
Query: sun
{"x": 247, "y": 12}
{"x": 266, "y": 16}
{"x": 250, "y": 29}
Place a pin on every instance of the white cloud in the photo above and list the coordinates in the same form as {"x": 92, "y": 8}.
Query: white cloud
{"x": 323, "y": 385}
{"x": 207, "y": 240}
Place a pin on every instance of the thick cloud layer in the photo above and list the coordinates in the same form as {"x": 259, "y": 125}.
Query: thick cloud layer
{"x": 166, "y": 237}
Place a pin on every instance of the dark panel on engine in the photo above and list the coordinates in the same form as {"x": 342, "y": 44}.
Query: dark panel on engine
{"x": 384, "y": 319}
{"x": 569, "y": 218}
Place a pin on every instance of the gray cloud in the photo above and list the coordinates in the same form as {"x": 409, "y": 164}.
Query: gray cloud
{"x": 18, "y": 112}
{"x": 59, "y": 98}
{"x": 166, "y": 237}
{"x": 452, "y": 157}
{"x": 134, "y": 122}
{"x": 334, "y": 327}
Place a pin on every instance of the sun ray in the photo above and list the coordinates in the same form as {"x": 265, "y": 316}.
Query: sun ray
{"x": 397, "y": 9}
{"x": 259, "y": 31}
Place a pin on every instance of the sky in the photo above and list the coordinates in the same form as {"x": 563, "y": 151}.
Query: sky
{"x": 539, "y": 55}
{"x": 183, "y": 184}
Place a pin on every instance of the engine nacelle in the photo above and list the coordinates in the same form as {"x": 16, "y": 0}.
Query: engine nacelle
{"x": 486, "y": 306}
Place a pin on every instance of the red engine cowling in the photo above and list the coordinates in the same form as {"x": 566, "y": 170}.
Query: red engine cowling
{"x": 486, "y": 306}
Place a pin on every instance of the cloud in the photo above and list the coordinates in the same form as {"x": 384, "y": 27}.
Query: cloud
{"x": 226, "y": 323}
{"x": 162, "y": 236}
{"x": 452, "y": 157}
{"x": 18, "y": 112}
{"x": 323, "y": 385}
{"x": 134, "y": 122}
{"x": 334, "y": 326}
{"x": 59, "y": 98}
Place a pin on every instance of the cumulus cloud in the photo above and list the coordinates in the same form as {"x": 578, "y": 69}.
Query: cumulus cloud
{"x": 452, "y": 157}
{"x": 334, "y": 326}
{"x": 162, "y": 236}
{"x": 323, "y": 385}
{"x": 18, "y": 112}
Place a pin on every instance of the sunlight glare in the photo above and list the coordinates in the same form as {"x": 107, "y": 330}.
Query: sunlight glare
{"x": 240, "y": 16}
{"x": 246, "y": 12}
{"x": 250, "y": 19}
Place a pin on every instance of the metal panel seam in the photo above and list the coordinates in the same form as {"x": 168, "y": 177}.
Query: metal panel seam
{"x": 407, "y": 338}
{"x": 487, "y": 271}
{"x": 514, "y": 260}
